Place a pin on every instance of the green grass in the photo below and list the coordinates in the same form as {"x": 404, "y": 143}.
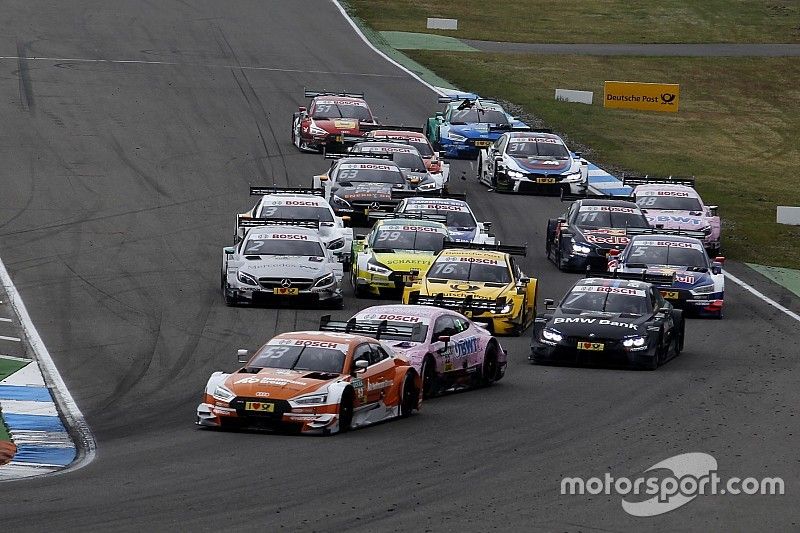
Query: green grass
{"x": 7, "y": 367}
{"x": 737, "y": 129}
{"x": 598, "y": 21}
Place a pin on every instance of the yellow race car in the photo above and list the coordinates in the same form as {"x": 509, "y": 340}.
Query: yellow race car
{"x": 482, "y": 281}
{"x": 384, "y": 258}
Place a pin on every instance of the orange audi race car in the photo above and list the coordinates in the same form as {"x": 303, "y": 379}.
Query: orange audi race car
{"x": 315, "y": 383}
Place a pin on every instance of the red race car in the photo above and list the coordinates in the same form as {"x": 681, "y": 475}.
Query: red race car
{"x": 329, "y": 118}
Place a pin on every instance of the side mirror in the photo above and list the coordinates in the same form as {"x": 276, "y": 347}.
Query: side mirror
{"x": 439, "y": 114}
{"x": 578, "y": 154}
{"x": 549, "y": 304}
{"x": 665, "y": 310}
{"x": 242, "y": 355}
{"x": 713, "y": 210}
{"x": 360, "y": 236}
{"x": 562, "y": 220}
{"x": 361, "y": 365}
{"x": 345, "y": 219}
{"x": 487, "y": 226}
{"x": 229, "y": 250}
{"x": 414, "y": 272}
{"x": 445, "y": 339}
{"x": 614, "y": 252}
{"x": 719, "y": 259}
{"x": 302, "y": 109}
{"x": 441, "y": 155}
{"x": 323, "y": 177}
{"x": 524, "y": 280}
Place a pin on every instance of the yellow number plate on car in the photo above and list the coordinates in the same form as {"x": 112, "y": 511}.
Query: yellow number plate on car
{"x": 285, "y": 291}
{"x": 670, "y": 295}
{"x": 483, "y": 143}
{"x": 263, "y": 407}
{"x": 545, "y": 180}
{"x": 591, "y": 346}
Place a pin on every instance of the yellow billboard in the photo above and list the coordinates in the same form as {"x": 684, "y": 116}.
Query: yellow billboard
{"x": 645, "y": 96}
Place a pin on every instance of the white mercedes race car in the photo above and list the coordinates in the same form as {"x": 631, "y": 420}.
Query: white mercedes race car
{"x": 532, "y": 162}
{"x": 460, "y": 220}
{"x": 281, "y": 264}
{"x": 300, "y": 203}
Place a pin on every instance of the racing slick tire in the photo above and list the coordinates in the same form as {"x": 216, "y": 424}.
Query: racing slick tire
{"x": 358, "y": 292}
{"x": 346, "y": 410}
{"x": 230, "y": 300}
{"x": 490, "y": 368}
{"x": 680, "y": 326}
{"x": 430, "y": 380}
{"x": 408, "y": 396}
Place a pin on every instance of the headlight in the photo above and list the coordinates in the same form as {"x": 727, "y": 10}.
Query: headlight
{"x": 325, "y": 280}
{"x": 552, "y": 335}
{"x": 571, "y": 178}
{"x": 515, "y": 174}
{"x": 504, "y": 310}
{"x": 340, "y": 202}
{"x": 427, "y": 186}
{"x": 313, "y": 399}
{"x": 247, "y": 279}
{"x": 634, "y": 342}
{"x": 456, "y": 137}
{"x": 336, "y": 243}
{"x": 222, "y": 394}
{"x": 706, "y": 230}
{"x": 580, "y": 248}
{"x": 376, "y": 268}
{"x": 313, "y": 129}
{"x": 704, "y": 289}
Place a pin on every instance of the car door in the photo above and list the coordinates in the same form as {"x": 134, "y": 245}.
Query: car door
{"x": 379, "y": 374}
{"x": 444, "y": 327}
{"x": 668, "y": 321}
{"x": 362, "y": 352}
{"x": 467, "y": 345}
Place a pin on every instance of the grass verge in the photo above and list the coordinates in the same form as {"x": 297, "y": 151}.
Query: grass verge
{"x": 7, "y": 367}
{"x": 594, "y": 21}
{"x": 737, "y": 128}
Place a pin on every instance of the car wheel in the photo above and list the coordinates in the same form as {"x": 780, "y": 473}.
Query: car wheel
{"x": 429, "y": 378}
{"x": 346, "y": 411}
{"x": 490, "y": 367}
{"x": 560, "y": 260}
{"x": 409, "y": 396}
{"x": 358, "y": 291}
{"x": 680, "y": 327}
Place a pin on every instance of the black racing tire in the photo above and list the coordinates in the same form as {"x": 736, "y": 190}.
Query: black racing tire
{"x": 409, "y": 396}
{"x": 358, "y": 292}
{"x": 230, "y": 300}
{"x": 491, "y": 367}
{"x": 429, "y": 377}
{"x": 346, "y": 411}
{"x": 559, "y": 260}
{"x": 680, "y": 326}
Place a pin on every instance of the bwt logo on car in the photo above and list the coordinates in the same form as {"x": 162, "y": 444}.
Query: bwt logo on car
{"x": 683, "y": 478}
{"x": 464, "y": 347}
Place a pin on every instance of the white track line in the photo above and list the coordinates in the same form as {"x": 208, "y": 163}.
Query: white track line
{"x": 13, "y": 339}
{"x": 202, "y": 65}
{"x": 757, "y": 293}
{"x": 5, "y": 320}
{"x": 71, "y": 413}
{"x": 387, "y": 58}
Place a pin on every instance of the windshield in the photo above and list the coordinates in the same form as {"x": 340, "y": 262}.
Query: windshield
{"x": 422, "y": 147}
{"x": 475, "y": 115}
{"x": 299, "y": 358}
{"x": 537, "y": 147}
{"x": 607, "y": 299}
{"x": 676, "y": 203}
{"x": 275, "y": 246}
{"x": 369, "y": 173}
{"x": 391, "y": 238}
{"x": 668, "y": 253}
{"x": 403, "y": 157}
{"x": 327, "y": 109}
{"x": 296, "y": 212}
{"x": 491, "y": 271}
{"x": 601, "y": 216}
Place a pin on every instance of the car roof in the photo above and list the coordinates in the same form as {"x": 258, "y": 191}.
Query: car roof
{"x": 655, "y": 187}
{"x": 410, "y": 222}
{"x": 423, "y": 311}
{"x": 321, "y": 336}
{"x": 606, "y": 282}
{"x": 610, "y": 203}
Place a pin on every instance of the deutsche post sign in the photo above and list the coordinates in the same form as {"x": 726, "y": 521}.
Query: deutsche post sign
{"x": 645, "y": 96}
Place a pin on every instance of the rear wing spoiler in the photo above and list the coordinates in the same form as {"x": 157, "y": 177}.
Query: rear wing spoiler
{"x": 656, "y": 279}
{"x": 261, "y": 191}
{"x": 380, "y": 215}
{"x": 697, "y": 234}
{"x": 246, "y": 222}
{"x": 440, "y": 193}
{"x": 395, "y": 127}
{"x": 342, "y": 155}
{"x": 467, "y": 97}
{"x": 634, "y": 180}
{"x": 512, "y": 249}
{"x": 371, "y": 329}
{"x": 468, "y": 303}
{"x": 567, "y": 196}
{"x": 314, "y": 94}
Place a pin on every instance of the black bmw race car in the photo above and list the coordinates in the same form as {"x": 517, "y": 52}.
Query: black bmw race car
{"x": 610, "y": 321}
{"x": 583, "y": 236}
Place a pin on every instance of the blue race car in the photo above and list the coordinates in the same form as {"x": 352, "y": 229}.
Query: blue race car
{"x": 468, "y": 124}
{"x": 698, "y": 285}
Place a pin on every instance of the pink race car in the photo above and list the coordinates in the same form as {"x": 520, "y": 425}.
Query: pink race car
{"x": 446, "y": 348}
{"x": 672, "y": 203}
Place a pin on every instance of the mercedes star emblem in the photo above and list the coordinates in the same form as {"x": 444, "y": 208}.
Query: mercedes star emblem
{"x": 286, "y": 283}
{"x": 374, "y": 205}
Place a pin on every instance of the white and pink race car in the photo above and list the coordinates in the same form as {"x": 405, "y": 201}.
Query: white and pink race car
{"x": 446, "y": 348}
{"x": 673, "y": 203}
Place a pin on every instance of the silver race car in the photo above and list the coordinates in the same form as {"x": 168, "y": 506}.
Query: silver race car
{"x": 281, "y": 264}
{"x": 459, "y": 218}
{"x": 302, "y": 203}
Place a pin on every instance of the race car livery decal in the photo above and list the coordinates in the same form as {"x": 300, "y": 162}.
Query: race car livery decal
{"x": 677, "y": 218}
{"x": 282, "y": 237}
{"x": 377, "y": 385}
{"x": 685, "y": 278}
{"x": 308, "y": 343}
{"x": 385, "y": 150}
{"x": 437, "y": 207}
{"x": 607, "y": 239}
{"x": 463, "y": 347}
{"x": 464, "y": 287}
{"x": 390, "y": 317}
{"x": 366, "y": 166}
{"x": 678, "y": 194}
{"x": 252, "y": 380}
{"x": 480, "y": 260}
{"x": 607, "y": 208}
{"x": 599, "y": 322}
{"x": 358, "y": 386}
{"x": 281, "y": 202}
{"x": 549, "y": 140}
{"x": 668, "y": 244}
{"x": 427, "y": 229}
{"x": 357, "y": 103}
{"x": 610, "y": 290}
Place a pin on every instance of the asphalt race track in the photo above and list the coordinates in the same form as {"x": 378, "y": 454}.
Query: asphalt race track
{"x": 120, "y": 181}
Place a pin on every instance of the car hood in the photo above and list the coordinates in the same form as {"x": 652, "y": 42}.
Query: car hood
{"x": 462, "y": 289}
{"x": 366, "y": 191}
{"x": 289, "y": 266}
{"x": 346, "y": 126}
{"x": 405, "y": 261}
{"x": 541, "y": 165}
{"x": 684, "y": 279}
{"x": 602, "y": 325}
{"x": 687, "y": 220}
{"x": 277, "y": 384}
{"x": 604, "y": 237}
